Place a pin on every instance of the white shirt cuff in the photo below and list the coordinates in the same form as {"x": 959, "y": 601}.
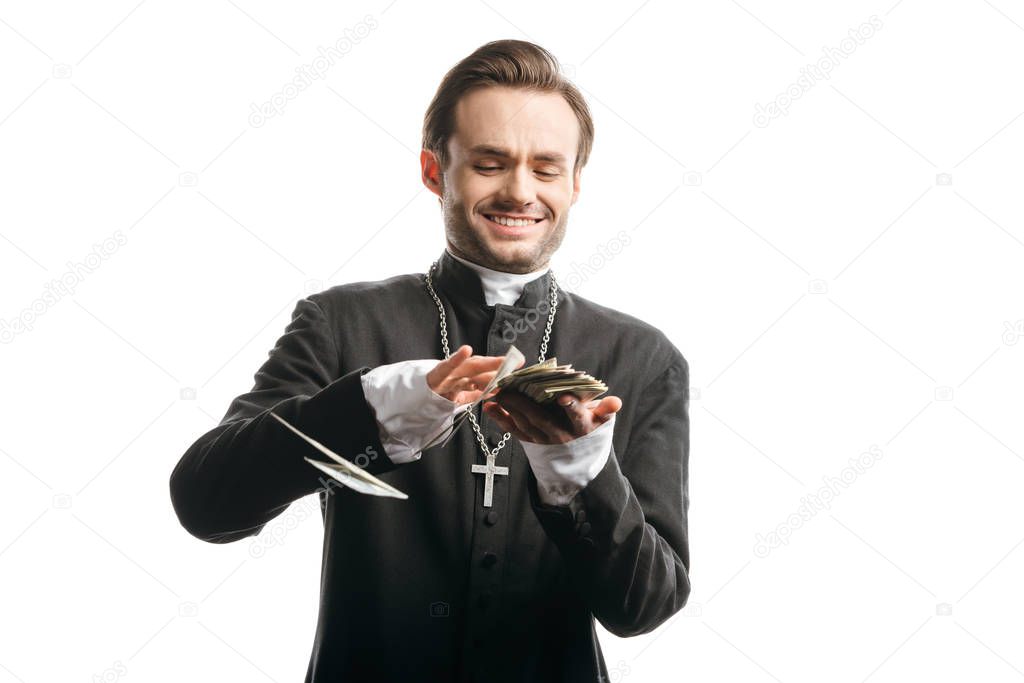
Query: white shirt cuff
{"x": 407, "y": 410}
{"x": 564, "y": 469}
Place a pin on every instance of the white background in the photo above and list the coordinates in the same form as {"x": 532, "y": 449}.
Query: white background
{"x": 845, "y": 278}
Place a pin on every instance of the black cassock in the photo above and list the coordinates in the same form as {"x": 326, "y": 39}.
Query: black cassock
{"x": 439, "y": 587}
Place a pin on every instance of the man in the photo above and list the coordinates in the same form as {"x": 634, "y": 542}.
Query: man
{"x": 496, "y": 566}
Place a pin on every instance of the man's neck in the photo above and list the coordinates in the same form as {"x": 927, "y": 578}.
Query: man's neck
{"x": 499, "y": 286}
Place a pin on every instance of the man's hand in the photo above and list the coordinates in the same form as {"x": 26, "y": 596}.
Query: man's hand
{"x": 566, "y": 420}
{"x": 462, "y": 377}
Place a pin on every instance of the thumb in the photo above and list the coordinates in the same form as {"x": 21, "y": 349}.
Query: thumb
{"x": 607, "y": 407}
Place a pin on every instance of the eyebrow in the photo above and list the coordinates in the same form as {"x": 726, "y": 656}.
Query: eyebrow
{"x": 491, "y": 151}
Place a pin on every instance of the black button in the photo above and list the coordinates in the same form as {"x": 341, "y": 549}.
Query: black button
{"x": 484, "y": 599}
{"x": 581, "y": 515}
{"x": 584, "y": 529}
{"x": 489, "y": 559}
{"x": 491, "y": 518}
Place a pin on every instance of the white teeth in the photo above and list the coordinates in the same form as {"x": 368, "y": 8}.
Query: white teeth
{"x": 513, "y": 222}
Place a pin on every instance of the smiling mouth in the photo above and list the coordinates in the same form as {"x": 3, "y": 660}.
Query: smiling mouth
{"x": 504, "y": 222}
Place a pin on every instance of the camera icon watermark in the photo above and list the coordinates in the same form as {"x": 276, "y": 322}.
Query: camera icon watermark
{"x": 111, "y": 673}
{"x": 692, "y": 178}
{"x": 1012, "y": 331}
{"x": 692, "y": 609}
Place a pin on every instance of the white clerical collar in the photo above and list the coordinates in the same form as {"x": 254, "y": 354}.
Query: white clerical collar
{"x": 499, "y": 286}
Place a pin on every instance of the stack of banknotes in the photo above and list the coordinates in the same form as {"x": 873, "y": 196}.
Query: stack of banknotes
{"x": 543, "y": 382}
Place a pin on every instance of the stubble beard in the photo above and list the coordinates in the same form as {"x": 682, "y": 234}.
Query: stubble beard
{"x": 471, "y": 245}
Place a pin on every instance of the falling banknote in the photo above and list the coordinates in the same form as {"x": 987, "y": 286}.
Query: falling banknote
{"x": 349, "y": 474}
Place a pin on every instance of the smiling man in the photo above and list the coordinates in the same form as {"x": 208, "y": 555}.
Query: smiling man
{"x": 534, "y": 520}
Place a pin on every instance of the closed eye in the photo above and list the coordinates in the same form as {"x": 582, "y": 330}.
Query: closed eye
{"x": 498, "y": 168}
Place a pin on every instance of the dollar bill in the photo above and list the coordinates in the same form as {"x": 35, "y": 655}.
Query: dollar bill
{"x": 348, "y": 473}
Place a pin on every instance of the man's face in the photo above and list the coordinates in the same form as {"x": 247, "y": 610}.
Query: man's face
{"x": 511, "y": 154}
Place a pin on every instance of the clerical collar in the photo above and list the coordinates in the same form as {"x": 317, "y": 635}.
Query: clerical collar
{"x": 485, "y": 286}
{"x": 499, "y": 286}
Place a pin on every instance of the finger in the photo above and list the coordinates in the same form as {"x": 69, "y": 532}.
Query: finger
{"x": 476, "y": 364}
{"x": 469, "y": 371}
{"x": 481, "y": 381}
{"x": 526, "y": 428}
{"x": 470, "y": 368}
{"x": 481, "y": 368}
{"x": 533, "y": 418}
{"x": 500, "y": 418}
{"x": 575, "y": 411}
{"x": 445, "y": 367}
{"x": 452, "y": 387}
{"x": 607, "y": 406}
{"x": 514, "y": 405}
{"x": 484, "y": 378}
{"x": 474, "y": 389}
{"x": 475, "y": 382}
{"x": 467, "y": 391}
{"x": 506, "y": 423}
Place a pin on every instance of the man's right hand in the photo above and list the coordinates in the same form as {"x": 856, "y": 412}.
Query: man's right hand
{"x": 462, "y": 377}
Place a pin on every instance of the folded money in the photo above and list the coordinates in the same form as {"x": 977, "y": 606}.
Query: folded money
{"x": 544, "y": 382}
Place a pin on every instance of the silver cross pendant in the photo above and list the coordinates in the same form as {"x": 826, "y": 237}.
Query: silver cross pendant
{"x": 489, "y": 470}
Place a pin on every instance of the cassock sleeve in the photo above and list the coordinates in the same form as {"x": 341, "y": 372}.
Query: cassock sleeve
{"x": 623, "y": 537}
{"x": 562, "y": 469}
{"x": 244, "y": 472}
{"x": 408, "y": 411}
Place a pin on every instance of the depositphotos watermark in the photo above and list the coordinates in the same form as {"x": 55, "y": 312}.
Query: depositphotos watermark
{"x": 577, "y": 274}
{"x": 820, "y": 499}
{"x": 817, "y": 71}
{"x": 308, "y": 73}
{"x": 61, "y": 287}
{"x": 275, "y": 531}
{"x": 112, "y": 673}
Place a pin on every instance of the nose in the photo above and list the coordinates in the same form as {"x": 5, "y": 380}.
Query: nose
{"x": 519, "y": 188}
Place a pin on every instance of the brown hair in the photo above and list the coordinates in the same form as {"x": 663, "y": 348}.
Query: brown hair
{"x": 511, "y": 63}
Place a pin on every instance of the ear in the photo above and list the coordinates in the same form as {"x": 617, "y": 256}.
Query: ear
{"x": 576, "y": 185}
{"x": 430, "y": 172}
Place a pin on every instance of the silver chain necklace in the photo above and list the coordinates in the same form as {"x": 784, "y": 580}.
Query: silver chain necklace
{"x": 490, "y": 469}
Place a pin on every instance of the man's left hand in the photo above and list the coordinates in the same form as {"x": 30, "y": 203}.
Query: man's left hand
{"x": 568, "y": 418}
